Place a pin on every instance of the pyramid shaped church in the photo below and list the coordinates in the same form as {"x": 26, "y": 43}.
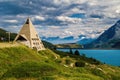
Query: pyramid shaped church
{"x": 29, "y": 37}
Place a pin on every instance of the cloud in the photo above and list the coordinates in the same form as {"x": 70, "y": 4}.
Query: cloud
{"x": 10, "y": 21}
{"x": 68, "y": 2}
{"x": 21, "y": 16}
{"x": 69, "y": 19}
{"x": 38, "y": 18}
{"x": 61, "y": 17}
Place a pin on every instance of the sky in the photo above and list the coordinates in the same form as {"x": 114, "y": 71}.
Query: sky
{"x": 61, "y": 18}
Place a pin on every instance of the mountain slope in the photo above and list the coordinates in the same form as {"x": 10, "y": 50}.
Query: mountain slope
{"x": 85, "y": 41}
{"x": 112, "y": 33}
{"x": 4, "y": 34}
{"x": 22, "y": 63}
{"x": 109, "y": 39}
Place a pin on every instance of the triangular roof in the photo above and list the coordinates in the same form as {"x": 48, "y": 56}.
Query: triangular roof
{"x": 29, "y": 34}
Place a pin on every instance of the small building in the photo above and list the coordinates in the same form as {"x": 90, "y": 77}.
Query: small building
{"x": 29, "y": 37}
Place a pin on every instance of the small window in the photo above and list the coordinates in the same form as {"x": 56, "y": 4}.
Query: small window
{"x": 27, "y": 22}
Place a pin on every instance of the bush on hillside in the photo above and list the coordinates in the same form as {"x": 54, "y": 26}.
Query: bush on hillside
{"x": 68, "y": 61}
{"x": 94, "y": 61}
{"x": 77, "y": 52}
{"x": 58, "y": 61}
{"x": 71, "y": 52}
{"x": 80, "y": 64}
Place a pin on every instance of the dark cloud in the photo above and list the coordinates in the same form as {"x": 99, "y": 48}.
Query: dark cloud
{"x": 96, "y": 16}
{"x": 49, "y": 22}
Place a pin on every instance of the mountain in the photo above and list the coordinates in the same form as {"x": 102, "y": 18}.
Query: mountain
{"x": 110, "y": 34}
{"x": 58, "y": 40}
{"x": 109, "y": 39}
{"x": 85, "y": 41}
{"x": 61, "y": 42}
{"x": 82, "y": 39}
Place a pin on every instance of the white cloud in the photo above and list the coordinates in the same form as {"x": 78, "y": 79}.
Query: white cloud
{"x": 49, "y": 8}
{"x": 69, "y": 20}
{"x": 21, "y": 16}
{"x": 38, "y": 18}
{"x": 10, "y": 21}
{"x": 30, "y": 2}
{"x": 72, "y": 30}
{"x": 117, "y": 11}
{"x": 68, "y": 2}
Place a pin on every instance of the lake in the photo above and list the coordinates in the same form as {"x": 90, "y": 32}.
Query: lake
{"x": 111, "y": 57}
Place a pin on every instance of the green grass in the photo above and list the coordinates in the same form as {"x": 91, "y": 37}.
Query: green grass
{"x": 22, "y": 63}
{"x": 31, "y": 69}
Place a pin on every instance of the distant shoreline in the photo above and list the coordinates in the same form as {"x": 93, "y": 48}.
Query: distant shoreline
{"x": 89, "y": 49}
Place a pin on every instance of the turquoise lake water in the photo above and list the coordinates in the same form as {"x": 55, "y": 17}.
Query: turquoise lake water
{"x": 111, "y": 57}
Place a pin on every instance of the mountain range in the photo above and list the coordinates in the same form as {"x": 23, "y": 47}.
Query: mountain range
{"x": 110, "y": 38}
{"x": 82, "y": 39}
{"x": 58, "y": 40}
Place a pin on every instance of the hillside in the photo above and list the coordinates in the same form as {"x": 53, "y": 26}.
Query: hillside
{"x": 48, "y": 45}
{"x": 6, "y": 44}
{"x": 69, "y": 45}
{"x": 4, "y": 34}
{"x": 108, "y": 39}
{"x": 22, "y": 63}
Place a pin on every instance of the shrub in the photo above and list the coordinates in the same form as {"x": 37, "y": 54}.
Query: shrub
{"x": 77, "y": 52}
{"x": 58, "y": 61}
{"x": 67, "y": 61}
{"x": 71, "y": 51}
{"x": 83, "y": 55}
{"x": 79, "y": 64}
{"x": 94, "y": 61}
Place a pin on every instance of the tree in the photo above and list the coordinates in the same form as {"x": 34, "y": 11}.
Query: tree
{"x": 54, "y": 48}
{"x": 71, "y": 51}
{"x": 83, "y": 55}
{"x": 77, "y": 52}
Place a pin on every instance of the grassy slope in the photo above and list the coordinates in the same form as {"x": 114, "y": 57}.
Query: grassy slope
{"x": 22, "y": 63}
{"x": 6, "y": 44}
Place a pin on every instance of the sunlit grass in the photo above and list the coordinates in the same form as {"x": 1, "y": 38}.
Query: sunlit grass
{"x": 22, "y": 63}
